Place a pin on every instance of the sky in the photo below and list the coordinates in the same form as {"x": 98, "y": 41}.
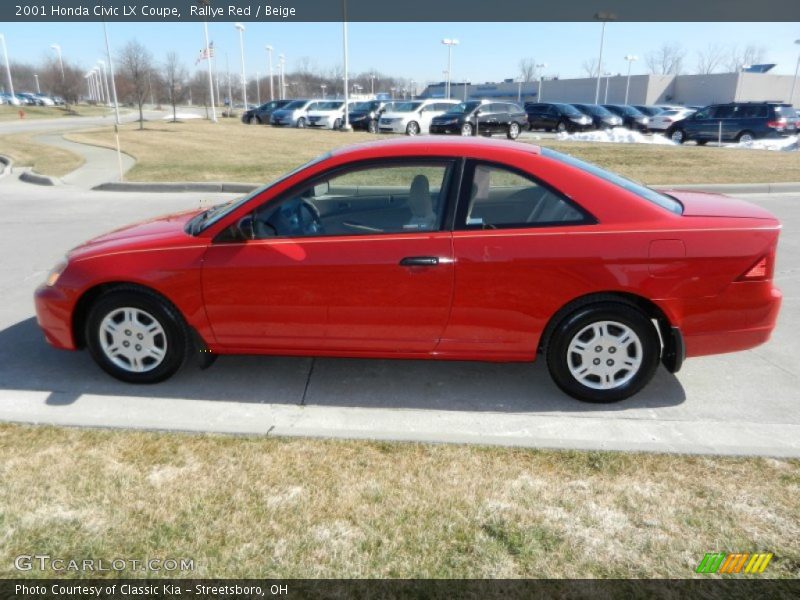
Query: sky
{"x": 487, "y": 51}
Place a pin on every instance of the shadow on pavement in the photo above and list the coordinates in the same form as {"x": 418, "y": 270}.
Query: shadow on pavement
{"x": 27, "y": 362}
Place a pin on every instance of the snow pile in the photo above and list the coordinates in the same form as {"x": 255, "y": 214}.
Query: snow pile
{"x": 618, "y": 135}
{"x": 182, "y": 116}
{"x": 787, "y": 144}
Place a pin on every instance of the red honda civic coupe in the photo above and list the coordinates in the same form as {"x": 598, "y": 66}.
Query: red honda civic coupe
{"x": 462, "y": 249}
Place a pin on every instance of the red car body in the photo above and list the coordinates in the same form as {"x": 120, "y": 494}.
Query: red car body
{"x": 705, "y": 274}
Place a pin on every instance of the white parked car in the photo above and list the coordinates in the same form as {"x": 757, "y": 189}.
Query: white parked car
{"x": 328, "y": 115}
{"x": 45, "y": 100}
{"x": 413, "y": 117}
{"x": 664, "y": 120}
{"x": 294, "y": 114}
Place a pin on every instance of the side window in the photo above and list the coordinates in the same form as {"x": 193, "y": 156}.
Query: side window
{"x": 503, "y": 198}
{"x": 384, "y": 198}
{"x": 703, "y": 113}
{"x": 722, "y": 112}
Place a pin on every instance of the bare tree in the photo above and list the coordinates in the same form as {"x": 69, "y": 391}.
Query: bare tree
{"x": 527, "y": 69}
{"x": 710, "y": 60}
{"x": 667, "y": 60}
{"x": 590, "y": 67}
{"x": 135, "y": 64}
{"x": 751, "y": 54}
{"x": 174, "y": 79}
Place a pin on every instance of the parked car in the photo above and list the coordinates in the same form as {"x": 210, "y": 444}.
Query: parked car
{"x": 447, "y": 248}
{"x": 736, "y": 122}
{"x": 45, "y": 100}
{"x": 601, "y": 117}
{"x": 9, "y": 99}
{"x": 665, "y": 120}
{"x": 328, "y": 114}
{"x": 632, "y": 118}
{"x": 556, "y": 115}
{"x": 413, "y": 117}
{"x": 482, "y": 117}
{"x": 261, "y": 114}
{"x": 646, "y": 109}
{"x": 365, "y": 115}
{"x": 294, "y": 114}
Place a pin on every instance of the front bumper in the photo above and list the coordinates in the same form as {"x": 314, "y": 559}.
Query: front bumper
{"x": 399, "y": 127}
{"x": 54, "y": 315}
{"x": 448, "y": 128}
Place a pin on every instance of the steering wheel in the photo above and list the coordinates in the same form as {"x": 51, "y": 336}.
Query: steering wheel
{"x": 314, "y": 223}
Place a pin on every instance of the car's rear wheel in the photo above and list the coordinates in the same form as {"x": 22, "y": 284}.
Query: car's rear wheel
{"x": 561, "y": 127}
{"x": 467, "y": 129}
{"x": 337, "y": 124}
{"x": 746, "y": 137}
{"x": 412, "y": 128}
{"x": 301, "y": 123}
{"x": 372, "y": 126}
{"x": 678, "y": 136}
{"x": 136, "y": 336}
{"x": 254, "y": 120}
{"x": 513, "y": 131}
{"x": 603, "y": 352}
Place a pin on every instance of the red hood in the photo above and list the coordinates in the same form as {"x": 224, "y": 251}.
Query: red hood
{"x": 161, "y": 231}
{"x": 704, "y": 204}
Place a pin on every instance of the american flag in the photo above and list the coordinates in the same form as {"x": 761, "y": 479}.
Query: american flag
{"x": 206, "y": 53}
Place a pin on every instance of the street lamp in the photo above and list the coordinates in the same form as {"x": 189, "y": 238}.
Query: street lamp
{"x": 271, "y": 88}
{"x": 372, "y": 84}
{"x": 240, "y": 29}
{"x": 631, "y": 59}
{"x": 413, "y": 89}
{"x": 8, "y": 69}
{"x": 324, "y": 87}
{"x": 281, "y": 80}
{"x": 449, "y": 43}
{"x": 102, "y": 65}
{"x": 539, "y": 93}
{"x": 607, "y": 75}
{"x": 605, "y": 18}
{"x": 57, "y": 48}
{"x": 258, "y": 88}
{"x": 36, "y": 79}
{"x": 791, "y": 94}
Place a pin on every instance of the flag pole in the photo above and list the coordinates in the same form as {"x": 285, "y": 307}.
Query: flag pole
{"x": 208, "y": 58}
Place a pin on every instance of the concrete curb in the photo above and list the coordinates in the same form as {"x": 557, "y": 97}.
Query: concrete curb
{"x": 243, "y": 188}
{"x": 31, "y": 177}
{"x": 222, "y": 188}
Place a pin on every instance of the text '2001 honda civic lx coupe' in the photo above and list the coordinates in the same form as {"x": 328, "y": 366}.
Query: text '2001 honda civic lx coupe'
{"x": 456, "y": 248}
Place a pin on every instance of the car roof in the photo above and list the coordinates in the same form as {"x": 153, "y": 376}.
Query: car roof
{"x": 445, "y": 146}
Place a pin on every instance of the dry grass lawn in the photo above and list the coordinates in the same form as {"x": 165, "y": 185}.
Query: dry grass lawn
{"x": 230, "y": 151}
{"x": 11, "y": 113}
{"x": 47, "y": 160}
{"x": 294, "y": 508}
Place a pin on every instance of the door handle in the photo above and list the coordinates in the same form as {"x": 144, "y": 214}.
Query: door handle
{"x": 419, "y": 261}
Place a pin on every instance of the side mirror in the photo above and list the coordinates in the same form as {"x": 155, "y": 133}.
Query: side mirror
{"x": 321, "y": 189}
{"x": 478, "y": 113}
{"x": 245, "y": 228}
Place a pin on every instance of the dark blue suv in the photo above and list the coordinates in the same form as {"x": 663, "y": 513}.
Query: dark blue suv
{"x": 735, "y": 122}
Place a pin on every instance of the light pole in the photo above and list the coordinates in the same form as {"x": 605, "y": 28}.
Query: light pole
{"x": 540, "y": 91}
{"x": 210, "y": 77}
{"x": 323, "y": 86}
{"x": 449, "y": 43}
{"x": 8, "y": 69}
{"x": 372, "y": 84}
{"x": 605, "y": 18}
{"x": 271, "y": 85}
{"x": 57, "y": 48}
{"x": 631, "y": 59}
{"x": 791, "y": 94}
{"x": 392, "y": 90}
{"x": 36, "y": 79}
{"x": 607, "y": 75}
{"x": 102, "y": 64}
{"x": 281, "y": 80}
{"x": 346, "y": 125}
{"x": 258, "y": 88}
{"x": 240, "y": 29}
{"x": 413, "y": 89}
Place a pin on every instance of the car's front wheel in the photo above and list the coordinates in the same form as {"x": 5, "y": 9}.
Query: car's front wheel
{"x": 513, "y": 131}
{"x": 301, "y": 123}
{"x": 561, "y": 127}
{"x": 337, "y": 124}
{"x": 603, "y": 352}
{"x": 677, "y": 135}
{"x": 467, "y": 129}
{"x": 412, "y": 128}
{"x": 254, "y": 120}
{"x": 136, "y": 336}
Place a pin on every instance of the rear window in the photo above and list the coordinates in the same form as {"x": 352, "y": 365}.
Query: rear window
{"x": 666, "y": 202}
{"x": 785, "y": 111}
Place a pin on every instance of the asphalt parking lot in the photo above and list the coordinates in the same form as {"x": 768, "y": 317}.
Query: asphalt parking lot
{"x": 743, "y": 403}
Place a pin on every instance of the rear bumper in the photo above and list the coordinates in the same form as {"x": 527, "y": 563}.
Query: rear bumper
{"x": 54, "y": 316}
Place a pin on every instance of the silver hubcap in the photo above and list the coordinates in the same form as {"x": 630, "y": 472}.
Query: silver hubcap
{"x": 561, "y": 127}
{"x": 412, "y": 129}
{"x": 133, "y": 339}
{"x": 746, "y": 138}
{"x": 677, "y": 136}
{"x": 514, "y": 129}
{"x": 604, "y": 355}
{"x": 466, "y": 130}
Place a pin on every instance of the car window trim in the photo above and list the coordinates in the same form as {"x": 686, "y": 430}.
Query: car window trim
{"x": 460, "y": 223}
{"x": 452, "y": 168}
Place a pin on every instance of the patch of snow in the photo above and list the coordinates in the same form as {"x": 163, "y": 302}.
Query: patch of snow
{"x": 786, "y": 144}
{"x": 181, "y": 116}
{"x": 617, "y": 135}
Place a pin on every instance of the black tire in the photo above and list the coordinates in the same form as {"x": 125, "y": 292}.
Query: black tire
{"x": 467, "y": 130}
{"x": 337, "y": 124}
{"x": 301, "y": 123}
{"x": 745, "y": 136}
{"x": 513, "y": 130}
{"x": 412, "y": 128}
{"x": 559, "y": 358}
{"x": 372, "y": 126}
{"x": 677, "y": 135}
{"x": 176, "y": 338}
{"x": 255, "y": 120}
{"x": 562, "y": 127}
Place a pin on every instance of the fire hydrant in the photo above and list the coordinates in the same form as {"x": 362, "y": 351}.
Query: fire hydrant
{"x": 21, "y": 113}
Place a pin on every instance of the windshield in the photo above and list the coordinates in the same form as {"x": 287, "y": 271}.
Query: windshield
{"x": 463, "y": 108}
{"x": 592, "y": 109}
{"x": 666, "y": 202}
{"x": 570, "y": 110}
{"x": 295, "y": 104}
{"x": 328, "y": 105}
{"x": 364, "y": 106}
{"x": 207, "y": 218}
{"x": 629, "y": 111}
{"x": 406, "y": 106}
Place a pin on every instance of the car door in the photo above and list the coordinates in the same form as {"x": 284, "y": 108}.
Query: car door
{"x": 356, "y": 260}
{"x": 510, "y": 264}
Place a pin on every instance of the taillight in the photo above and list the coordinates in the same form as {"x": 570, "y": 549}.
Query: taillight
{"x": 759, "y": 271}
{"x": 777, "y": 124}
